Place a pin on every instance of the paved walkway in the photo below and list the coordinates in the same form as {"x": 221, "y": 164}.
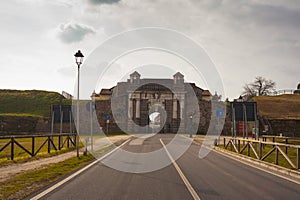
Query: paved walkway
{"x": 12, "y": 170}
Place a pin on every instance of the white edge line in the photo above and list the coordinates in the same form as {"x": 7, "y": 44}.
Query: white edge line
{"x": 75, "y": 174}
{"x": 233, "y": 157}
{"x": 182, "y": 176}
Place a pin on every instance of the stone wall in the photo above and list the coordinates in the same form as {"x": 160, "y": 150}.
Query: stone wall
{"x": 26, "y": 125}
{"x": 103, "y": 108}
{"x": 290, "y": 128}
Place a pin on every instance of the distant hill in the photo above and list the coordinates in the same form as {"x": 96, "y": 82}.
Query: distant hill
{"x": 29, "y": 102}
{"x": 285, "y": 106}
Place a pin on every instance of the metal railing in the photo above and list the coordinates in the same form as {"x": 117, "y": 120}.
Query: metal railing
{"x": 63, "y": 140}
{"x": 280, "y": 92}
{"x": 239, "y": 145}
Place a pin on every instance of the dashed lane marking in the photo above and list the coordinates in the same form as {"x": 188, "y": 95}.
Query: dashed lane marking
{"x": 182, "y": 176}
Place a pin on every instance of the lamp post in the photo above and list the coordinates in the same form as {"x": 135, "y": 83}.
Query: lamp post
{"x": 191, "y": 125}
{"x": 78, "y": 59}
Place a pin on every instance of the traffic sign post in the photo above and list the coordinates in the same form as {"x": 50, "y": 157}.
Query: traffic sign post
{"x": 107, "y": 117}
{"x": 92, "y": 106}
{"x": 219, "y": 113}
{"x": 245, "y": 115}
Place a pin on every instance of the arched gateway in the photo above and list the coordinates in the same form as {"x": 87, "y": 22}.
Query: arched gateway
{"x": 131, "y": 103}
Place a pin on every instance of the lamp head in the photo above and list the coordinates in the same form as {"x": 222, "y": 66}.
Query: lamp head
{"x": 78, "y": 57}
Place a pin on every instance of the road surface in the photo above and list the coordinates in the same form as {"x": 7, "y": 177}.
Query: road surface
{"x": 214, "y": 177}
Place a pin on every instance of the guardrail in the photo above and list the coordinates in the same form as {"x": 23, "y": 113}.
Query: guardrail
{"x": 63, "y": 140}
{"x": 256, "y": 147}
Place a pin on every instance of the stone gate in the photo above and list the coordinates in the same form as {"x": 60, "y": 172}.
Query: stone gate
{"x": 131, "y": 103}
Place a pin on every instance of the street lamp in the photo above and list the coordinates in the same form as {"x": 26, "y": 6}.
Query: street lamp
{"x": 191, "y": 125}
{"x": 78, "y": 59}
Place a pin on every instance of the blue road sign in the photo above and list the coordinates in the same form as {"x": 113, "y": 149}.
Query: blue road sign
{"x": 107, "y": 117}
{"x": 219, "y": 113}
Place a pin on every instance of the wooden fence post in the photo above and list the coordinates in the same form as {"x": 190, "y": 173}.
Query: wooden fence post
{"x": 49, "y": 144}
{"x": 59, "y": 142}
{"x": 276, "y": 155}
{"x": 286, "y": 148}
{"x": 298, "y": 158}
{"x": 260, "y": 145}
{"x": 248, "y": 148}
{"x": 32, "y": 146}
{"x": 12, "y": 149}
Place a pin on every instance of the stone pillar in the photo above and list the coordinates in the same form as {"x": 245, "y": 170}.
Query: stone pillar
{"x": 130, "y": 109}
{"x": 182, "y": 127}
{"x": 137, "y": 109}
{"x": 174, "y": 108}
{"x": 181, "y": 107}
{"x": 130, "y": 114}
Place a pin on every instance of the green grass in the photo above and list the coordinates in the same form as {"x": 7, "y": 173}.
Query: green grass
{"x": 19, "y": 115}
{"x": 24, "y": 184}
{"x": 29, "y": 102}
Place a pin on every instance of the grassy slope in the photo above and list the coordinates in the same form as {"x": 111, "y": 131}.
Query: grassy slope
{"x": 285, "y": 106}
{"x": 28, "y": 102}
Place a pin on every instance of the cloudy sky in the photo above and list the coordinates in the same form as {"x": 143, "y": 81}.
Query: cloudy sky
{"x": 244, "y": 38}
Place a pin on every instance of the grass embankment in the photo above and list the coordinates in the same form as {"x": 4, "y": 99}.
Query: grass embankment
{"x": 29, "y": 102}
{"x": 26, "y": 183}
{"x": 284, "y": 107}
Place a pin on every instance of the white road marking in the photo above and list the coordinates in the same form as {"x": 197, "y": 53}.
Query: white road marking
{"x": 182, "y": 176}
{"x": 138, "y": 141}
{"x": 40, "y": 195}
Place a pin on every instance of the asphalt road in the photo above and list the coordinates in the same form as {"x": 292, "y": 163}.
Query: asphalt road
{"x": 214, "y": 177}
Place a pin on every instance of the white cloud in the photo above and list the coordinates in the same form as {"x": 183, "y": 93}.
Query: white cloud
{"x": 73, "y": 32}
{"x": 103, "y": 1}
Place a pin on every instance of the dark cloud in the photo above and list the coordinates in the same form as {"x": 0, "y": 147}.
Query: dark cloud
{"x": 73, "y": 32}
{"x": 103, "y": 1}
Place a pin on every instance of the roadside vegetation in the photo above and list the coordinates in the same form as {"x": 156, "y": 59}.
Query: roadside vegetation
{"x": 22, "y": 185}
{"x": 282, "y": 107}
{"x": 29, "y": 102}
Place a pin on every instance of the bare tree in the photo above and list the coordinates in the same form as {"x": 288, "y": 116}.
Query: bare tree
{"x": 259, "y": 87}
